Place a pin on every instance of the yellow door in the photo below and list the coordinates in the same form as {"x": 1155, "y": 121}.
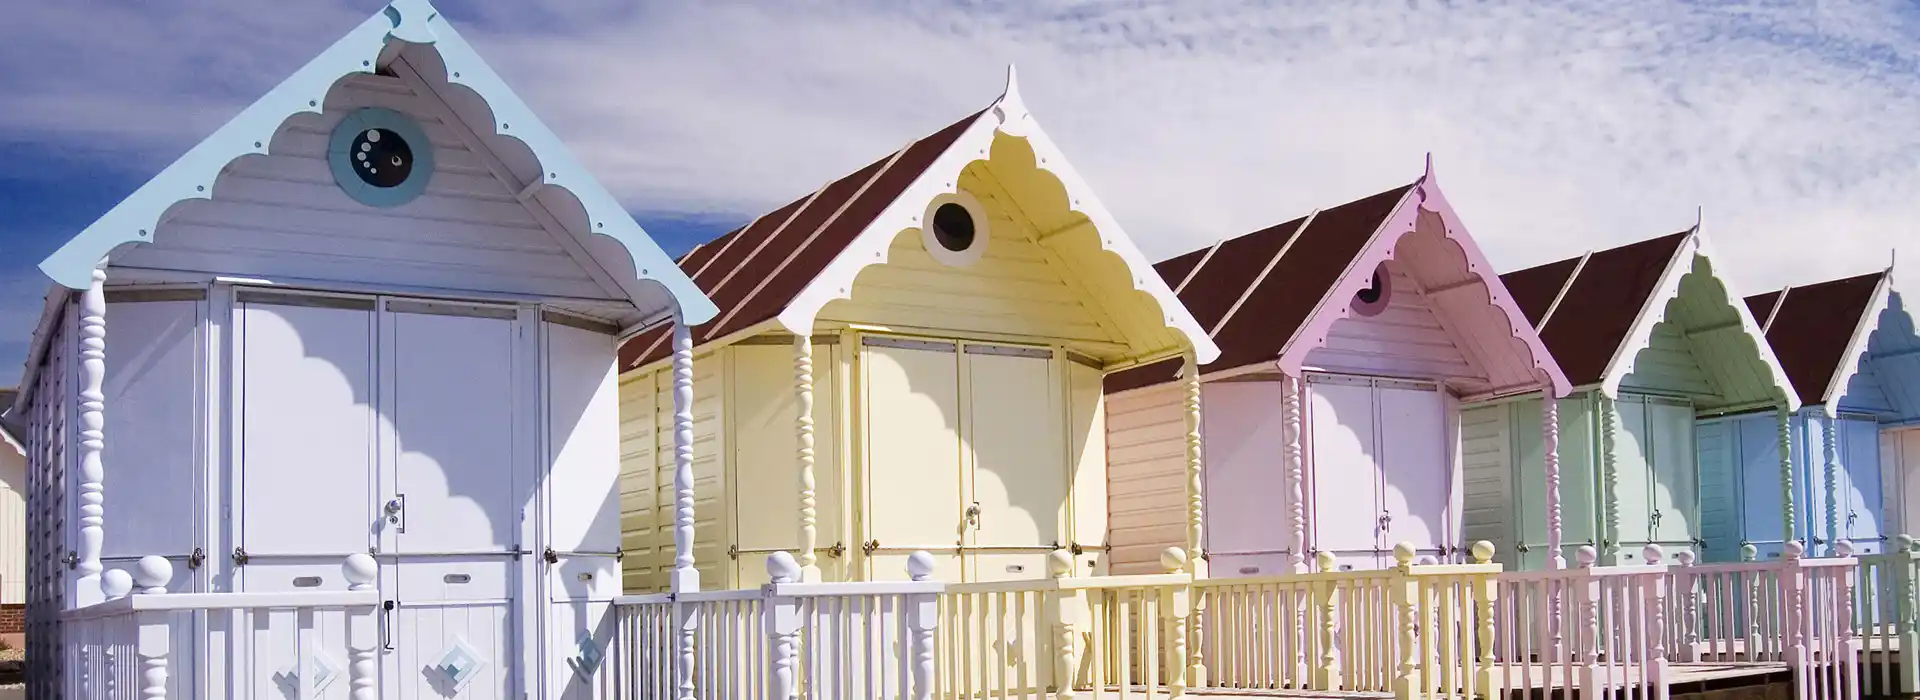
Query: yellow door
{"x": 911, "y": 400}
{"x": 1017, "y": 461}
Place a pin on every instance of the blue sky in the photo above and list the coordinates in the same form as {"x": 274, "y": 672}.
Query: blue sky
{"x": 1555, "y": 129}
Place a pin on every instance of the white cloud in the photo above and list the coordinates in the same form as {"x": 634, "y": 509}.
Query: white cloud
{"x": 1554, "y": 129}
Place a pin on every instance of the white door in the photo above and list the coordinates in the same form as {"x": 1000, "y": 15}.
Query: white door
{"x": 449, "y": 526}
{"x": 1017, "y": 457}
{"x": 1415, "y": 481}
{"x": 912, "y": 456}
{"x": 1345, "y": 471}
{"x": 386, "y": 430}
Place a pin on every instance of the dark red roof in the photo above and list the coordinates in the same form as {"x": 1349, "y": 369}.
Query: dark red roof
{"x": 1275, "y": 310}
{"x": 1598, "y": 307}
{"x": 752, "y": 272}
{"x": 1812, "y": 328}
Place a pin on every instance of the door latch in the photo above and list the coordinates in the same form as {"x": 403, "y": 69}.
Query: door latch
{"x": 72, "y": 560}
{"x": 1386, "y": 521}
{"x": 198, "y": 557}
{"x": 973, "y": 515}
{"x": 386, "y": 624}
{"x": 397, "y": 512}
{"x": 869, "y": 546}
{"x": 239, "y": 556}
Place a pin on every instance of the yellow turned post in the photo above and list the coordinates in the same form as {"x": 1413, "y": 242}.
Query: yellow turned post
{"x": 1190, "y": 378}
{"x": 1326, "y": 599}
{"x": 1486, "y": 591}
{"x": 1066, "y": 607}
{"x": 1403, "y": 592}
{"x": 803, "y": 434}
{"x": 1173, "y": 600}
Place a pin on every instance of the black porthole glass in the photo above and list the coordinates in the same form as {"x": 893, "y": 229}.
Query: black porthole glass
{"x": 1371, "y": 295}
{"x": 953, "y": 227}
{"x": 381, "y": 158}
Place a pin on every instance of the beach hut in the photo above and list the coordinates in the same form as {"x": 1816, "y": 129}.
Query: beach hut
{"x": 1653, "y": 341}
{"x": 1350, "y": 339}
{"x": 337, "y": 388}
{"x": 1820, "y": 333}
{"x": 907, "y": 358}
{"x": 1893, "y": 357}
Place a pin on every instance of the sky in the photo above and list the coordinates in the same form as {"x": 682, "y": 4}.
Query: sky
{"x": 1786, "y": 127}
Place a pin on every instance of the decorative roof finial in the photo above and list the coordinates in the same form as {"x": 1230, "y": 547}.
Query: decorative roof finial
{"x": 1013, "y": 83}
{"x": 1699, "y": 214}
{"x": 1428, "y": 176}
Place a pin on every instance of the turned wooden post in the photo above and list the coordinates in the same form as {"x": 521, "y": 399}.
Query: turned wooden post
{"x": 1550, "y": 451}
{"x": 1849, "y": 645}
{"x": 1654, "y": 605}
{"x": 782, "y": 620}
{"x": 1173, "y": 604}
{"x": 155, "y": 640}
{"x": 1403, "y": 593}
{"x": 1326, "y": 602}
{"x": 1688, "y": 626}
{"x": 1906, "y": 619}
{"x": 1793, "y": 594}
{"x": 803, "y": 435}
{"x": 114, "y": 585}
{"x": 1587, "y": 604}
{"x": 1487, "y": 677}
{"x": 923, "y": 619}
{"x": 360, "y": 571}
{"x": 1065, "y": 609}
{"x": 684, "y": 578}
{"x": 1195, "y": 668}
{"x": 93, "y": 442}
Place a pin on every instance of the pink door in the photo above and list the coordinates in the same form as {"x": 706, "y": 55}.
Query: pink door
{"x": 1344, "y": 470}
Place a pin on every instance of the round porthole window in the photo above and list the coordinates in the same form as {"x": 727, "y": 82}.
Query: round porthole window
{"x": 1372, "y": 299}
{"x": 954, "y": 229}
{"x": 380, "y": 157}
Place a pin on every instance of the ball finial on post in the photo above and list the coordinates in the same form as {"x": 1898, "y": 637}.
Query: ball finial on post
{"x": 1059, "y": 563}
{"x": 1653, "y": 553}
{"x": 1174, "y": 560}
{"x": 1482, "y": 552}
{"x": 1748, "y": 552}
{"x": 116, "y": 583}
{"x": 153, "y": 573}
{"x": 1586, "y": 555}
{"x": 1795, "y": 550}
{"x": 1324, "y": 560}
{"x": 1907, "y": 543}
{"x": 1403, "y": 553}
{"x": 1843, "y": 548}
{"x": 781, "y": 568}
{"x": 1684, "y": 556}
{"x": 360, "y": 570}
{"x": 920, "y": 566}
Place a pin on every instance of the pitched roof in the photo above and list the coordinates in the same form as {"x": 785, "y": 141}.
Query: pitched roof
{"x": 1605, "y": 290}
{"x": 753, "y": 271}
{"x": 401, "y": 26}
{"x": 1818, "y": 330}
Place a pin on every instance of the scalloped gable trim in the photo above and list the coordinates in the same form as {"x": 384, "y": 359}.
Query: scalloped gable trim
{"x": 192, "y": 176}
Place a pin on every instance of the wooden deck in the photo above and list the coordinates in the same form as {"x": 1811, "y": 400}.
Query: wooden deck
{"x": 1685, "y": 678}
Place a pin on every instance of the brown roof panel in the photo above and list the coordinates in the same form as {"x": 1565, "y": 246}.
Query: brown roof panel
{"x": 1761, "y": 305}
{"x": 1145, "y": 375}
{"x": 1175, "y": 269}
{"x": 1601, "y": 304}
{"x": 731, "y": 269}
{"x": 1811, "y": 331}
{"x": 1231, "y": 270}
{"x": 1264, "y": 325}
{"x": 1534, "y": 288}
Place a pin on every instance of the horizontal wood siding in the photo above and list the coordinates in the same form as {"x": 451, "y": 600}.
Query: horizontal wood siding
{"x": 647, "y": 509}
{"x": 1726, "y": 354}
{"x": 1667, "y": 364}
{"x": 1147, "y": 490}
{"x": 282, "y": 215}
{"x": 1404, "y": 340}
{"x": 766, "y": 467}
{"x": 1863, "y": 392}
{"x": 1487, "y": 451}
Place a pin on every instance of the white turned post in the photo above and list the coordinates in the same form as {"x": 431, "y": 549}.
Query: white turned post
{"x": 1291, "y": 397}
{"x": 360, "y": 571}
{"x": 803, "y": 434}
{"x": 1655, "y": 607}
{"x": 1906, "y": 620}
{"x": 1688, "y": 588}
{"x": 783, "y": 629}
{"x": 1196, "y": 668}
{"x": 1832, "y": 457}
{"x": 1849, "y": 645}
{"x": 1588, "y": 606}
{"x": 684, "y": 578}
{"x": 1550, "y": 450}
{"x": 923, "y": 619}
{"x": 1609, "y": 462}
{"x": 1783, "y": 428}
{"x": 1173, "y": 605}
{"x": 1794, "y": 590}
{"x": 155, "y": 637}
{"x": 1065, "y": 610}
{"x": 114, "y": 585}
{"x": 93, "y": 440}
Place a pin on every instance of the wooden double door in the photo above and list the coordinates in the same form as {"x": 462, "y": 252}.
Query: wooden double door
{"x": 1381, "y": 468}
{"x": 391, "y": 427}
{"x": 966, "y": 453}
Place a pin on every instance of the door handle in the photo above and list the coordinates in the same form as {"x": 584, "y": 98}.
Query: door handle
{"x": 1386, "y": 521}
{"x": 973, "y": 515}
{"x": 397, "y": 512}
{"x": 386, "y": 625}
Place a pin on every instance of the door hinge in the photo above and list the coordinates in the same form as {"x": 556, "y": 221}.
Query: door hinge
{"x": 869, "y": 546}
{"x": 1076, "y": 549}
{"x": 239, "y": 556}
{"x": 72, "y": 559}
{"x": 198, "y": 557}
{"x": 733, "y": 551}
{"x": 839, "y": 549}
{"x": 550, "y": 556}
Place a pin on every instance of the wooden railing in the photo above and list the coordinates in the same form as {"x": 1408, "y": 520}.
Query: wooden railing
{"x": 1592, "y": 630}
{"x": 1887, "y": 618}
{"x": 125, "y": 647}
{"x": 1795, "y": 611}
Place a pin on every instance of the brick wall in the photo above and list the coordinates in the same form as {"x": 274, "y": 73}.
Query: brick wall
{"x": 13, "y": 619}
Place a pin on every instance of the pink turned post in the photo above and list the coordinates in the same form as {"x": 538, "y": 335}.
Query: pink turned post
{"x": 1655, "y": 605}
{"x": 1550, "y": 449}
{"x": 1687, "y": 587}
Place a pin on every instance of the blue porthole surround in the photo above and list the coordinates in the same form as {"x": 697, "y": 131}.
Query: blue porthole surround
{"x": 341, "y": 157}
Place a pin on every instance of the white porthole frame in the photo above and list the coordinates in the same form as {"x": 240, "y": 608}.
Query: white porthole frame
{"x": 982, "y": 230}
{"x": 1366, "y": 310}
